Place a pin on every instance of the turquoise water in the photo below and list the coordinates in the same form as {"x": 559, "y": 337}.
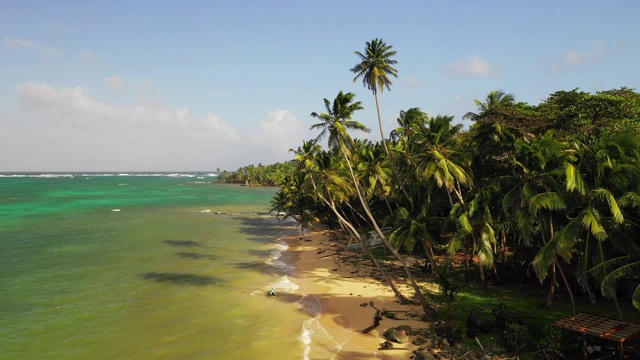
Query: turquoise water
{"x": 142, "y": 267}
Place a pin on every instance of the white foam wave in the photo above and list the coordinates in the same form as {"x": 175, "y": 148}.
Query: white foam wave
{"x": 116, "y": 210}
{"x": 319, "y": 344}
{"x": 37, "y": 175}
{"x": 276, "y": 254}
{"x": 284, "y": 285}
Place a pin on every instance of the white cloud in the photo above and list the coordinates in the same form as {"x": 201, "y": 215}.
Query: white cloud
{"x": 17, "y": 43}
{"x": 66, "y": 129}
{"x": 20, "y": 43}
{"x": 472, "y": 67}
{"x": 281, "y": 131}
{"x": 113, "y": 83}
{"x": 573, "y": 58}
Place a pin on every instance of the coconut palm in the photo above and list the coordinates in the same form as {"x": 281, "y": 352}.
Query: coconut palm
{"x": 335, "y": 120}
{"x": 535, "y": 199}
{"x": 598, "y": 209}
{"x": 441, "y": 159}
{"x": 495, "y": 99}
{"x": 375, "y": 68}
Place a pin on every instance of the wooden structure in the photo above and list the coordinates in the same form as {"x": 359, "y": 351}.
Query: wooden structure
{"x": 604, "y": 329}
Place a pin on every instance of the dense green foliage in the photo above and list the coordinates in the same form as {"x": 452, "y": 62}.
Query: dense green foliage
{"x": 266, "y": 175}
{"x": 542, "y": 194}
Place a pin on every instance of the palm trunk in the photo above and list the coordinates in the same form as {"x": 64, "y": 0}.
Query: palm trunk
{"x": 386, "y": 149}
{"x": 366, "y": 250}
{"x": 345, "y": 223}
{"x": 423, "y": 301}
{"x": 566, "y": 284}
{"x": 552, "y": 286}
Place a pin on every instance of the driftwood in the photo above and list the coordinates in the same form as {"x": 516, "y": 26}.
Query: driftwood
{"x": 376, "y": 319}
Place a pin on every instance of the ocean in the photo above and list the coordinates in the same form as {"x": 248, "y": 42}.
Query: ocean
{"x": 145, "y": 266}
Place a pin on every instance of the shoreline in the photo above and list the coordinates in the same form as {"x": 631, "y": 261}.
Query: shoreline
{"x": 342, "y": 300}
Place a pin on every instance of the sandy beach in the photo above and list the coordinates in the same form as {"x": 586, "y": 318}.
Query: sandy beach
{"x": 348, "y": 297}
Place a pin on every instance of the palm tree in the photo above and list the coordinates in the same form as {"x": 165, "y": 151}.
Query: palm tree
{"x": 441, "y": 159}
{"x": 495, "y": 99}
{"x": 598, "y": 205}
{"x": 535, "y": 198}
{"x": 375, "y": 67}
{"x": 335, "y": 121}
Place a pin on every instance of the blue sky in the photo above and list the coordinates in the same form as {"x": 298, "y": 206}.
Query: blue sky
{"x": 199, "y": 85}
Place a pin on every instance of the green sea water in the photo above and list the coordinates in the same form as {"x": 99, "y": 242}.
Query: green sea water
{"x": 143, "y": 267}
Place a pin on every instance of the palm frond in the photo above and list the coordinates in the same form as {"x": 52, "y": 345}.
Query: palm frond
{"x": 575, "y": 182}
{"x": 543, "y": 260}
{"x": 606, "y": 195}
{"x": 488, "y": 241}
{"x": 548, "y": 201}
{"x": 457, "y": 242}
{"x": 610, "y": 281}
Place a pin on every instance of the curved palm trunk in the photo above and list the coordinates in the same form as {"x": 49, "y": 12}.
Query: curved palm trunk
{"x": 384, "y": 141}
{"x": 566, "y": 283}
{"x": 423, "y": 301}
{"x": 386, "y": 149}
{"x": 346, "y": 224}
{"x": 375, "y": 261}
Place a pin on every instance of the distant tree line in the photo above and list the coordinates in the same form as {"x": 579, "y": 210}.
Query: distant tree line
{"x": 265, "y": 175}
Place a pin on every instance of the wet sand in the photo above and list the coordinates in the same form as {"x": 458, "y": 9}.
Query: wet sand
{"x": 342, "y": 286}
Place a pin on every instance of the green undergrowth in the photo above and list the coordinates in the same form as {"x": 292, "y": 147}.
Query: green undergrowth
{"x": 529, "y": 332}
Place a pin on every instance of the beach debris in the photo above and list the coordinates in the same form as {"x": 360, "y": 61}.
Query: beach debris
{"x": 376, "y": 319}
{"x": 364, "y": 305}
{"x": 387, "y": 345}
{"x": 272, "y": 293}
{"x": 396, "y": 335}
{"x": 424, "y": 355}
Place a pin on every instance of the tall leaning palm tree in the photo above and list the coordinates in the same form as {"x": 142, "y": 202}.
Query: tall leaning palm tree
{"x": 375, "y": 68}
{"x": 336, "y": 121}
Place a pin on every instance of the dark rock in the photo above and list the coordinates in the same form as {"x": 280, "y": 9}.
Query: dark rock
{"x": 472, "y": 333}
{"x": 396, "y": 335}
{"x": 455, "y": 337}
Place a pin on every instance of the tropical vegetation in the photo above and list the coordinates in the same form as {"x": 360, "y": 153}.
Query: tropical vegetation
{"x": 545, "y": 194}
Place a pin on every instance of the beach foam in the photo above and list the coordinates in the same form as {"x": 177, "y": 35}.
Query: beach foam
{"x": 319, "y": 344}
{"x": 276, "y": 254}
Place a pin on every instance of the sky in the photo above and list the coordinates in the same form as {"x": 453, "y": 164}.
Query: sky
{"x": 159, "y": 85}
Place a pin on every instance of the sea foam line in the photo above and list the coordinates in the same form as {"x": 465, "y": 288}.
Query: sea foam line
{"x": 276, "y": 254}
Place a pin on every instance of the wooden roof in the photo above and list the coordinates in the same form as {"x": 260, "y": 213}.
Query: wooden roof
{"x": 614, "y": 330}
